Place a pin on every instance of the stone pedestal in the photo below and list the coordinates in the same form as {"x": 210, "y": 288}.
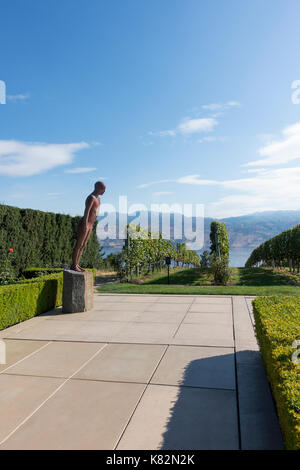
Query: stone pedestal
{"x": 78, "y": 292}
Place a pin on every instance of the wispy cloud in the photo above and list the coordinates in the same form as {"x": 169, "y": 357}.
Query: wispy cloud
{"x": 211, "y": 138}
{"x": 189, "y": 126}
{"x": 221, "y": 106}
{"x": 31, "y": 158}
{"x": 264, "y": 189}
{"x": 197, "y": 124}
{"x": 280, "y": 151}
{"x": 146, "y": 185}
{"x": 19, "y": 97}
{"x": 80, "y": 170}
{"x": 163, "y": 193}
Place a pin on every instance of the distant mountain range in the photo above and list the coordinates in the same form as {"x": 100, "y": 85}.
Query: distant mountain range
{"x": 245, "y": 232}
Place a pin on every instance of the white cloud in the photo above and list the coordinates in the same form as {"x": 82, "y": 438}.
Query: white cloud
{"x": 146, "y": 185}
{"x": 80, "y": 170}
{"x": 211, "y": 138}
{"x": 195, "y": 180}
{"x": 221, "y": 106}
{"x": 19, "y": 97}
{"x": 31, "y": 158}
{"x": 281, "y": 151}
{"x": 163, "y": 133}
{"x": 266, "y": 189}
{"x": 189, "y": 126}
{"x": 162, "y": 193}
{"x": 196, "y": 126}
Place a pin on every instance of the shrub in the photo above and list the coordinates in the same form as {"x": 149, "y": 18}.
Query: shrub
{"x": 220, "y": 270}
{"x": 21, "y": 301}
{"x": 30, "y": 297}
{"x": 277, "y": 326}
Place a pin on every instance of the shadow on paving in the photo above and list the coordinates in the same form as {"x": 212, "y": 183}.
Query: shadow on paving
{"x": 208, "y": 417}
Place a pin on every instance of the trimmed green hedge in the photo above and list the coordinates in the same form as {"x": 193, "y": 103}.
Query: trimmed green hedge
{"x": 277, "y": 323}
{"x": 30, "y": 297}
{"x": 19, "y": 302}
{"x": 32, "y": 273}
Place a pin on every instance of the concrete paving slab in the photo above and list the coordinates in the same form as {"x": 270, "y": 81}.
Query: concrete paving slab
{"x": 176, "y": 299}
{"x": 183, "y": 418}
{"x": 204, "y": 334}
{"x": 71, "y": 331}
{"x": 259, "y": 424}
{"x": 7, "y": 332}
{"x": 57, "y": 359}
{"x": 134, "y": 306}
{"x": 151, "y": 332}
{"x": 20, "y": 396}
{"x": 199, "y": 332}
{"x": 124, "y": 363}
{"x": 125, "y": 298}
{"x": 197, "y": 367}
{"x": 211, "y": 308}
{"x": 98, "y": 315}
{"x": 160, "y": 317}
{"x": 211, "y": 318}
{"x": 168, "y": 307}
{"x": 17, "y": 350}
{"x": 82, "y": 415}
{"x": 213, "y": 300}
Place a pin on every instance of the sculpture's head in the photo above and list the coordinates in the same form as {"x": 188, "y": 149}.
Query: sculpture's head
{"x": 100, "y": 187}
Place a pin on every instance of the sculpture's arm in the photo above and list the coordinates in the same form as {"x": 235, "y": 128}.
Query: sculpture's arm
{"x": 88, "y": 206}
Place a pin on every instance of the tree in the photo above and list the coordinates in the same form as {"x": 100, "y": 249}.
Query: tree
{"x": 219, "y": 249}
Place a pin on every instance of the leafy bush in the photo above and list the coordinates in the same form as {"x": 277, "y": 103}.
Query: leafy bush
{"x": 30, "y": 297}
{"x": 221, "y": 271}
{"x": 277, "y": 323}
{"x": 219, "y": 250}
{"x": 21, "y": 301}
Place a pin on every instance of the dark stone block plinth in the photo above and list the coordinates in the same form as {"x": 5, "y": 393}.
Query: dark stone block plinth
{"x": 78, "y": 291}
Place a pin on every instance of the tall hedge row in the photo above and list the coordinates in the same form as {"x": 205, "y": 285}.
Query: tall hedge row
{"x": 43, "y": 239}
{"x": 281, "y": 250}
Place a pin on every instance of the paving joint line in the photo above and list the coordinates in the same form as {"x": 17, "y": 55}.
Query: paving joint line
{"x": 26, "y": 357}
{"x": 48, "y": 398}
{"x": 236, "y": 380}
{"x": 184, "y": 317}
{"x": 142, "y": 394}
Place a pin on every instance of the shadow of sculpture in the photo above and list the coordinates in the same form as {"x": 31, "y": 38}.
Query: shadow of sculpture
{"x": 206, "y": 414}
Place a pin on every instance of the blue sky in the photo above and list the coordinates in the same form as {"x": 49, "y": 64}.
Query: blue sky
{"x": 173, "y": 101}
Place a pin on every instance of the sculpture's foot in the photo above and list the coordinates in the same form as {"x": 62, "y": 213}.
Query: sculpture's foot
{"x": 81, "y": 269}
{"x": 76, "y": 268}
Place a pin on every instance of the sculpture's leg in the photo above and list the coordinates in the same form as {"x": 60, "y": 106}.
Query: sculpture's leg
{"x": 84, "y": 242}
{"x": 81, "y": 235}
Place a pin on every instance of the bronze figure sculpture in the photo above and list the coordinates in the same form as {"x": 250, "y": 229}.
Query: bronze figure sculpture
{"x": 85, "y": 225}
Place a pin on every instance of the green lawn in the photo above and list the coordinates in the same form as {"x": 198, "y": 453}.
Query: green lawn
{"x": 244, "y": 281}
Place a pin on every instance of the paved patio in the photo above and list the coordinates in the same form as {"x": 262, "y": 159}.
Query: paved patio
{"x": 138, "y": 372}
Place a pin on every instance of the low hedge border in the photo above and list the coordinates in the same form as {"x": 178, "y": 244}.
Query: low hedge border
{"x": 30, "y": 297}
{"x": 277, "y": 324}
